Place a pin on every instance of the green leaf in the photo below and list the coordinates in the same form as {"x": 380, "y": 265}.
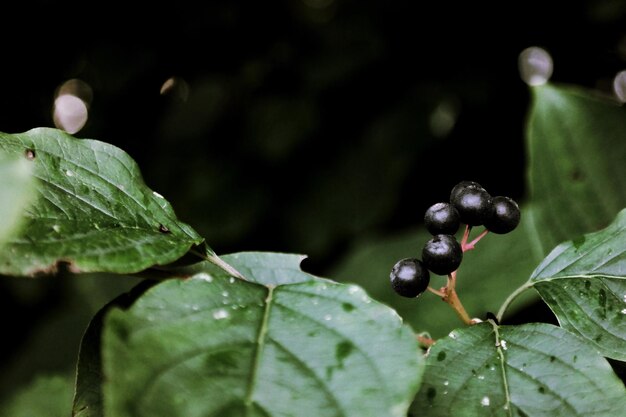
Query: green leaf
{"x": 89, "y": 378}
{"x": 93, "y": 210}
{"x": 577, "y": 174}
{"x": 277, "y": 344}
{"x": 46, "y": 396}
{"x": 16, "y": 192}
{"x": 497, "y": 265}
{"x": 533, "y": 370}
{"x": 584, "y": 283}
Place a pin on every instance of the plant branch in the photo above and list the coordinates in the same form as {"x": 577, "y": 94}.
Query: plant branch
{"x": 452, "y": 298}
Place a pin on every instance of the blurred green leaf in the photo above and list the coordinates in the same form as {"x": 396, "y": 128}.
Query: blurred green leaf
{"x": 584, "y": 283}
{"x": 576, "y": 152}
{"x": 46, "y": 396}
{"x": 216, "y": 345}
{"x": 93, "y": 211}
{"x": 16, "y": 192}
{"x": 498, "y": 265}
{"x": 532, "y": 370}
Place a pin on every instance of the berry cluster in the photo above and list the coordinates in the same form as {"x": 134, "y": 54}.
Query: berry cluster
{"x": 469, "y": 204}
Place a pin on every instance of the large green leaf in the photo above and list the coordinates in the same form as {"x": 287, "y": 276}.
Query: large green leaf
{"x": 497, "y": 265}
{"x": 280, "y": 343}
{"x": 532, "y": 370}
{"x": 46, "y": 396}
{"x": 16, "y": 192}
{"x": 93, "y": 210}
{"x": 584, "y": 283}
{"x": 577, "y": 174}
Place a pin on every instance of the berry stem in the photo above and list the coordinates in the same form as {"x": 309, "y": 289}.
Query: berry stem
{"x": 425, "y": 341}
{"x": 466, "y": 234}
{"x": 452, "y": 298}
{"x": 441, "y": 294}
{"x": 469, "y": 246}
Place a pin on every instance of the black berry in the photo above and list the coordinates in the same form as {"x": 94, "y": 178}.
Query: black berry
{"x": 463, "y": 185}
{"x": 409, "y": 277}
{"x": 504, "y": 217}
{"x": 442, "y": 218}
{"x": 442, "y": 254}
{"x": 473, "y": 204}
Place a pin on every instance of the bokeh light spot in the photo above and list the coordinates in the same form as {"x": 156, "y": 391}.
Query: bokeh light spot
{"x": 70, "y": 113}
{"x": 175, "y": 87}
{"x": 444, "y": 117}
{"x": 619, "y": 86}
{"x": 71, "y": 105}
{"x": 535, "y": 66}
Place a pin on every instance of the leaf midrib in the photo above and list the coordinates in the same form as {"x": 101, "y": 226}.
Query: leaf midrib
{"x": 260, "y": 343}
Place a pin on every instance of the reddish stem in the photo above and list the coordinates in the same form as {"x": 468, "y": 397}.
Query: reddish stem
{"x": 425, "y": 341}
{"x": 452, "y": 298}
{"x": 441, "y": 293}
{"x": 469, "y": 246}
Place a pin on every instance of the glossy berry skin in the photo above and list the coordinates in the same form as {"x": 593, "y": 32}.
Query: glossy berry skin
{"x": 409, "y": 277}
{"x": 442, "y": 218}
{"x": 505, "y": 215}
{"x": 473, "y": 204}
{"x": 442, "y": 254}
{"x": 463, "y": 185}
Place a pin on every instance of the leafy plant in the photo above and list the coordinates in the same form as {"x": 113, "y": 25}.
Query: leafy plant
{"x": 252, "y": 334}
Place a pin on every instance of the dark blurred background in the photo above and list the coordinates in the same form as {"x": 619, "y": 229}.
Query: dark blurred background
{"x": 297, "y": 126}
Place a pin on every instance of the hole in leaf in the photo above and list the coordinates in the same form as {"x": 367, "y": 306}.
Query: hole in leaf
{"x": 30, "y": 154}
{"x": 164, "y": 229}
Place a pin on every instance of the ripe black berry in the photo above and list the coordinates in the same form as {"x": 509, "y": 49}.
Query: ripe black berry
{"x": 442, "y": 218}
{"x": 473, "y": 204}
{"x": 442, "y": 254}
{"x": 409, "y": 277}
{"x": 463, "y": 185}
{"x": 504, "y": 217}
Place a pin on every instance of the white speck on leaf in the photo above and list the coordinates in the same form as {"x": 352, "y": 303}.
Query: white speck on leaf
{"x": 231, "y": 280}
{"x": 204, "y": 276}
{"x": 485, "y": 401}
{"x": 56, "y": 228}
{"x": 353, "y": 289}
{"x": 69, "y": 173}
{"x": 220, "y": 314}
{"x": 328, "y": 317}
